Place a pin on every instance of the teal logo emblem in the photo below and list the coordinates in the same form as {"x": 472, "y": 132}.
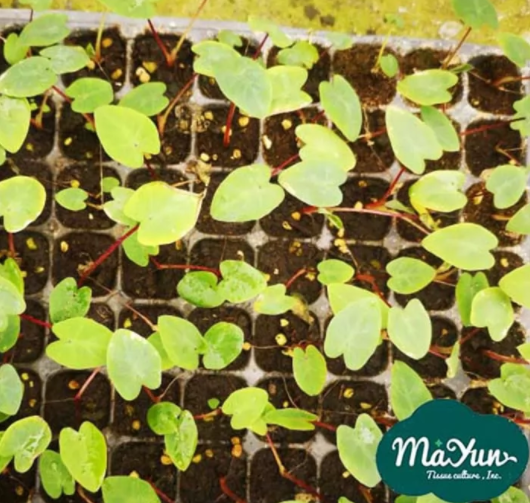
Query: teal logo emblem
{"x": 446, "y": 449}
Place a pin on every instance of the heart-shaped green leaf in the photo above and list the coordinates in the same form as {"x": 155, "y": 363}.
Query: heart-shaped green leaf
{"x": 467, "y": 287}
{"x": 516, "y": 284}
{"x": 67, "y": 301}
{"x": 520, "y": 222}
{"x": 229, "y": 38}
{"x": 212, "y": 55}
{"x": 302, "y": 54}
{"x": 14, "y": 51}
{"x": 443, "y": 128}
{"x": 21, "y": 202}
{"x": 314, "y": 182}
{"x": 163, "y": 418}
{"x": 224, "y": 342}
{"x": 291, "y": 419}
{"x": 132, "y": 363}
{"x": 246, "y": 194}
{"x": 182, "y": 444}
{"x": 438, "y": 191}
{"x": 166, "y": 214}
{"x": 148, "y": 99}
{"x": 15, "y": 116}
{"x": 72, "y": 199}
{"x": 428, "y": 87}
{"x": 512, "y": 389}
{"x": 66, "y": 58}
{"x": 127, "y": 489}
{"x": 84, "y": 454}
{"x": 507, "y": 183}
{"x": 409, "y": 275}
{"x": 492, "y": 308}
{"x": 45, "y": 30}
{"x": 11, "y": 390}
{"x": 516, "y": 48}
{"x": 139, "y": 9}
{"x": 287, "y": 94}
{"x": 334, "y": 271}
{"x": 11, "y": 302}
{"x": 309, "y": 369}
{"x": 407, "y": 390}
{"x": 29, "y": 77}
{"x": 200, "y": 289}
{"x": 241, "y": 282}
{"x": 182, "y": 341}
{"x": 126, "y": 135}
{"x": 465, "y": 246}
{"x": 245, "y": 406}
{"x": 389, "y": 65}
{"x": 136, "y": 251}
{"x": 89, "y": 94}
{"x": 55, "y": 477}
{"x": 273, "y": 301}
{"x": 476, "y": 13}
{"x": 410, "y": 329}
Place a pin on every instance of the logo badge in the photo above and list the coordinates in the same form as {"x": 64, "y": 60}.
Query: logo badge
{"x": 446, "y": 449}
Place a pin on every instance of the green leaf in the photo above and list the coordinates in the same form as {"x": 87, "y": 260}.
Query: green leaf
{"x": 301, "y": 53}
{"x": 132, "y": 363}
{"x": 14, "y": 51}
{"x": 407, "y": 390}
{"x": 182, "y": 341}
{"x": 342, "y": 105}
{"x": 492, "y": 308}
{"x": 213, "y": 55}
{"x": 334, "y": 271}
{"x": 520, "y": 222}
{"x": 67, "y": 301}
{"x": 9, "y": 335}
{"x": 516, "y": 284}
{"x": 246, "y": 194}
{"x": 166, "y": 214}
{"x": 200, "y": 289}
{"x": 512, "y": 389}
{"x": 224, "y": 342}
{"x": 115, "y": 208}
{"x": 163, "y": 418}
{"x": 276, "y": 34}
{"x": 309, "y": 369}
{"x": 340, "y": 41}
{"x": 512, "y": 495}
{"x": 45, "y": 30}
{"x": 2, "y": 156}
{"x": 465, "y": 246}
{"x": 453, "y": 362}
{"x": 467, "y": 287}
{"x": 66, "y": 58}
{"x": 72, "y": 199}
{"x": 412, "y": 140}
{"x": 11, "y": 390}
{"x": 89, "y": 94}
{"x": 140, "y": 9}
{"x": 137, "y": 252}
{"x": 245, "y": 406}
{"x": 521, "y": 120}
{"x": 21, "y": 202}
{"x": 355, "y": 333}
{"x": 410, "y": 329}
{"x": 273, "y": 301}
{"x": 84, "y": 454}
{"x": 321, "y": 144}
{"x": 409, "y": 275}
{"x": 287, "y": 94}
{"x": 357, "y": 448}
{"x": 11, "y": 302}
{"x": 126, "y": 135}
{"x": 29, "y": 77}
{"x": 241, "y": 282}
{"x": 516, "y": 48}
{"x": 476, "y": 13}
{"x": 109, "y": 183}
{"x": 55, "y": 477}
{"x": 25, "y": 440}
{"x": 15, "y": 116}
{"x": 524, "y": 350}
{"x": 156, "y": 341}
{"x": 389, "y": 65}
{"x": 507, "y": 183}
{"x": 229, "y": 38}
{"x": 10, "y": 270}
{"x": 129, "y": 489}
{"x": 292, "y": 419}
{"x": 428, "y": 87}
{"x": 148, "y": 99}
{"x": 182, "y": 444}
{"x": 82, "y": 344}
{"x": 438, "y": 191}
{"x": 443, "y": 128}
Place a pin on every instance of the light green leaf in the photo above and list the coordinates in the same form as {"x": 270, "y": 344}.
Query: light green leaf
{"x": 72, "y": 199}
{"x": 492, "y": 308}
{"x": 342, "y": 105}
{"x": 241, "y": 282}
{"x": 67, "y": 301}
{"x": 412, "y": 140}
{"x": 357, "y": 449}
{"x": 246, "y": 194}
{"x": 465, "y": 246}
{"x": 21, "y": 202}
{"x": 139, "y": 9}
{"x": 11, "y": 303}
{"x": 340, "y": 41}
{"x": 516, "y": 48}
{"x": 273, "y": 301}
{"x": 15, "y": 116}
{"x": 156, "y": 341}
{"x": 14, "y": 51}
{"x": 516, "y": 285}
{"x": 115, "y": 208}
{"x": 89, "y": 94}
{"x": 25, "y": 440}
{"x": 524, "y": 350}
{"x": 453, "y": 362}
{"x": 522, "y": 117}
{"x": 410, "y": 329}
{"x": 163, "y": 418}
{"x": 128, "y": 489}
{"x": 245, "y": 406}
{"x": 45, "y": 30}
{"x": 66, "y": 58}
{"x": 389, "y": 65}
{"x": 29, "y": 77}
{"x": 507, "y": 183}
{"x": 520, "y": 222}
{"x": 512, "y": 495}
{"x": 10, "y": 270}
{"x": 213, "y": 55}
{"x": 409, "y": 275}
{"x": 292, "y": 419}
{"x": 476, "y": 13}
{"x": 301, "y": 53}
{"x": 181, "y": 445}
{"x": 132, "y": 363}
{"x": 182, "y": 341}
{"x": 287, "y": 94}
{"x": 512, "y": 389}
{"x": 443, "y": 128}
{"x": 9, "y": 335}
{"x": 148, "y": 99}
{"x": 82, "y": 344}
{"x": 467, "y": 287}
{"x": 200, "y": 289}
{"x": 229, "y": 38}
{"x": 55, "y": 477}
{"x": 438, "y": 191}
{"x": 407, "y": 390}
{"x": 137, "y": 252}
{"x": 224, "y": 342}
{"x": 11, "y": 390}
{"x": 309, "y": 369}
{"x": 276, "y": 34}
{"x": 334, "y": 271}
{"x": 2, "y": 156}
{"x": 355, "y": 333}
{"x": 109, "y": 183}
{"x": 428, "y": 87}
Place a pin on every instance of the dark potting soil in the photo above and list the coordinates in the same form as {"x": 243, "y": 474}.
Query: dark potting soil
{"x": 344, "y": 401}
{"x": 435, "y": 296}
{"x": 176, "y": 141}
{"x": 444, "y": 335}
{"x": 204, "y": 318}
{"x": 31, "y": 398}
{"x": 131, "y": 321}
{"x": 372, "y": 261}
{"x": 88, "y": 177}
{"x": 476, "y": 363}
{"x": 209, "y": 225}
{"x": 441, "y": 391}
{"x": 319, "y": 72}
{"x": 113, "y": 57}
{"x": 60, "y": 410}
{"x": 210, "y": 252}
{"x": 270, "y": 355}
{"x": 139, "y": 177}
{"x": 284, "y": 392}
{"x": 481, "y": 210}
{"x": 130, "y": 417}
{"x": 266, "y": 483}
{"x": 33, "y": 257}
{"x": 74, "y": 252}
{"x": 17, "y": 487}
{"x": 357, "y": 64}
{"x": 101, "y": 313}
{"x": 408, "y": 231}
{"x": 244, "y": 138}
{"x": 484, "y": 94}
{"x": 203, "y": 387}
{"x": 283, "y": 258}
{"x": 482, "y": 148}
{"x": 201, "y": 482}
{"x": 148, "y": 461}
{"x": 148, "y": 63}
{"x": 480, "y": 400}
{"x": 505, "y": 262}
{"x": 335, "y": 482}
